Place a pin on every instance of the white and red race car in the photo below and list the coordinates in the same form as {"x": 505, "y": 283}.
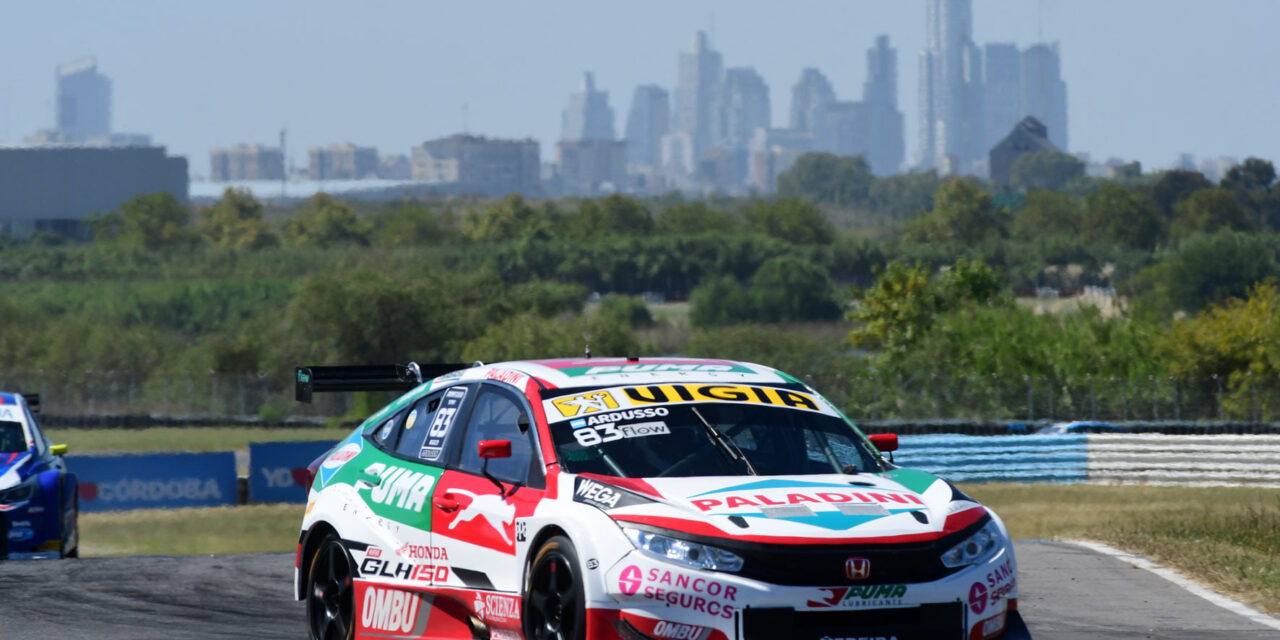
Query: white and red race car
{"x": 660, "y": 498}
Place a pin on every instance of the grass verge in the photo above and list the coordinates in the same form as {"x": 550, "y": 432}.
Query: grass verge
{"x": 194, "y": 440}
{"x": 1226, "y": 538}
{"x": 212, "y": 530}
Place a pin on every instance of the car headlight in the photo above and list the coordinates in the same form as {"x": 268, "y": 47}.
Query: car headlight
{"x": 19, "y": 493}
{"x": 974, "y": 549}
{"x": 689, "y": 554}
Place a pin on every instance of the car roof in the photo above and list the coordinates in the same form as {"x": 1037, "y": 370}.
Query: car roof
{"x": 588, "y": 372}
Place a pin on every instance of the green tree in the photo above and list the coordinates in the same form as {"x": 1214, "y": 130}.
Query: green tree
{"x": 235, "y": 222}
{"x": 323, "y": 220}
{"x": 905, "y": 301}
{"x": 790, "y": 219}
{"x": 962, "y": 212}
{"x": 1254, "y": 174}
{"x": 527, "y": 336}
{"x": 827, "y": 179}
{"x": 1212, "y": 268}
{"x": 155, "y": 221}
{"x": 415, "y": 224}
{"x": 610, "y": 216}
{"x": 686, "y": 218}
{"x": 1174, "y": 186}
{"x": 719, "y": 301}
{"x": 791, "y": 289}
{"x": 1120, "y": 216}
{"x": 1208, "y": 210}
{"x": 631, "y": 310}
{"x": 1050, "y": 170}
{"x": 512, "y": 218}
{"x": 904, "y": 194}
{"x": 1047, "y": 213}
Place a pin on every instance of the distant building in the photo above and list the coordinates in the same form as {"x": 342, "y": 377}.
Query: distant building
{"x": 886, "y": 144}
{"x": 591, "y": 167}
{"x": 950, "y": 88}
{"x": 741, "y": 106}
{"x": 699, "y": 75}
{"x": 395, "y": 167}
{"x": 772, "y": 152}
{"x": 84, "y": 101}
{"x": 588, "y": 116}
{"x": 648, "y": 120}
{"x": 246, "y": 162}
{"x": 810, "y": 97}
{"x": 475, "y": 164}
{"x": 343, "y": 162}
{"x": 53, "y": 188}
{"x": 1044, "y": 94}
{"x": 1030, "y": 136}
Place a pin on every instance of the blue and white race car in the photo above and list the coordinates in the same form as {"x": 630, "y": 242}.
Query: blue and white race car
{"x": 38, "y": 496}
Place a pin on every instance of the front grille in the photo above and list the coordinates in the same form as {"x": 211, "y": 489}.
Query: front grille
{"x": 824, "y": 565}
{"x": 926, "y": 622}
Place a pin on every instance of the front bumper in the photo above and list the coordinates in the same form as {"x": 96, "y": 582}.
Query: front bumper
{"x": 971, "y": 604}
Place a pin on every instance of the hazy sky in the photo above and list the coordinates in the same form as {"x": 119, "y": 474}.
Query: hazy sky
{"x": 1146, "y": 79}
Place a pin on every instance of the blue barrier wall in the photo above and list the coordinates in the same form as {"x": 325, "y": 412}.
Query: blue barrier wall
{"x": 151, "y": 481}
{"x": 1058, "y": 458}
{"x": 278, "y": 470}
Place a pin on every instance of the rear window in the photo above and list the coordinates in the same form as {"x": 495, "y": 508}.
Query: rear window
{"x": 12, "y": 439}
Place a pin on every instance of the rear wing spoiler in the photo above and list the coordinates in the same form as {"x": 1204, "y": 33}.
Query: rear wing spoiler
{"x": 33, "y": 401}
{"x": 376, "y": 377}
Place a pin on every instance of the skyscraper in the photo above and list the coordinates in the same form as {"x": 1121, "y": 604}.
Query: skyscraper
{"x": 810, "y": 97}
{"x": 1044, "y": 94}
{"x": 648, "y": 120}
{"x": 886, "y": 147}
{"x": 699, "y": 74}
{"x": 588, "y": 116}
{"x": 741, "y": 106}
{"x": 1002, "y": 99}
{"x": 950, "y": 96}
{"x": 84, "y": 100}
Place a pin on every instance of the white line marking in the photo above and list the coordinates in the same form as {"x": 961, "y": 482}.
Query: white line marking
{"x": 1176, "y": 578}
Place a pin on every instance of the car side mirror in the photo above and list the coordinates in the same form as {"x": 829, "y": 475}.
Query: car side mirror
{"x": 491, "y": 449}
{"x": 58, "y": 449}
{"x": 885, "y": 442}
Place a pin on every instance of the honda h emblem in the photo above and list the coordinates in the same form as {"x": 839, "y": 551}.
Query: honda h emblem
{"x": 857, "y": 568}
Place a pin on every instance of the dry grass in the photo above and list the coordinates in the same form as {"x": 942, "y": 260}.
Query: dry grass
{"x": 1225, "y": 538}
{"x": 210, "y": 530}
{"x": 188, "y": 439}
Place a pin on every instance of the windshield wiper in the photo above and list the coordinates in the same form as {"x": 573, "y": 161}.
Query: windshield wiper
{"x": 725, "y": 445}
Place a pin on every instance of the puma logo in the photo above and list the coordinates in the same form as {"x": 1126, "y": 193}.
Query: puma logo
{"x": 491, "y": 507}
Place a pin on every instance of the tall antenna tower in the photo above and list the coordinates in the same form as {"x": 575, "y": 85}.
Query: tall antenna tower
{"x": 284, "y": 165}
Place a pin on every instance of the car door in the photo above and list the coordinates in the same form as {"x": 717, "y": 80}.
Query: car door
{"x": 396, "y": 484}
{"x": 474, "y": 518}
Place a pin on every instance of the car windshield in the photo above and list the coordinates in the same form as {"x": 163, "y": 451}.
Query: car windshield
{"x": 685, "y": 439}
{"x": 12, "y": 439}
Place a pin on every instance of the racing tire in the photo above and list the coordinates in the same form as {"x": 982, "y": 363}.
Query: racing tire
{"x": 72, "y": 532}
{"x": 554, "y": 600}
{"x": 331, "y": 613}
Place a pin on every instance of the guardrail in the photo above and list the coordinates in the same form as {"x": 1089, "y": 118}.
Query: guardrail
{"x": 1152, "y": 459}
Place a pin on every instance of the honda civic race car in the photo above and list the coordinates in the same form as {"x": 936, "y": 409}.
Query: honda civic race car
{"x": 634, "y": 499}
{"x": 38, "y": 496}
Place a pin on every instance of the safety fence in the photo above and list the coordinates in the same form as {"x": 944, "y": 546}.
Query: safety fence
{"x": 1152, "y": 459}
{"x": 277, "y": 470}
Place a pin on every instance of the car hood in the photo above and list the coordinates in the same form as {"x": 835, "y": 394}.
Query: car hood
{"x": 897, "y": 506}
{"x": 11, "y": 468}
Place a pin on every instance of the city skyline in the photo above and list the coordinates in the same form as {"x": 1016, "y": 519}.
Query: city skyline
{"x": 1143, "y": 84}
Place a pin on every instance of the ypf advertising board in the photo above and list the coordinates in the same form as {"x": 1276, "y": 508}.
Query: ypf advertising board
{"x": 155, "y": 481}
{"x": 278, "y": 470}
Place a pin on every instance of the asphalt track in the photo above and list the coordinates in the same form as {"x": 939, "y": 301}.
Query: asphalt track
{"x": 1066, "y": 593}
